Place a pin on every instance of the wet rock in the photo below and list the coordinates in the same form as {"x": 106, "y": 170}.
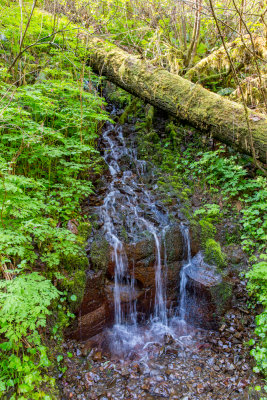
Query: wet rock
{"x": 174, "y": 244}
{"x": 145, "y": 275}
{"x": 126, "y": 295}
{"x": 210, "y": 294}
{"x": 141, "y": 250}
{"x": 91, "y": 323}
{"x": 94, "y": 295}
{"x": 173, "y": 280}
{"x": 97, "y": 356}
{"x": 100, "y": 254}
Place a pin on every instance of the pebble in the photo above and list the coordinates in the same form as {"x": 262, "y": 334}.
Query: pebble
{"x": 221, "y": 370}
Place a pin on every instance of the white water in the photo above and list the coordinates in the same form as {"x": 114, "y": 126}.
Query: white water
{"x": 126, "y": 197}
{"x": 183, "y": 274}
{"x": 126, "y": 316}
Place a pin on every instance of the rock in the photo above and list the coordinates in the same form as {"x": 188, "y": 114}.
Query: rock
{"x": 97, "y": 356}
{"x": 125, "y": 373}
{"x": 94, "y": 295}
{"x": 174, "y": 244}
{"x": 200, "y": 388}
{"x": 142, "y": 250}
{"x": 173, "y": 279}
{"x": 126, "y": 295}
{"x": 91, "y": 323}
{"x": 73, "y": 226}
{"x": 100, "y": 254}
{"x": 235, "y": 254}
{"x": 209, "y": 294}
{"x": 168, "y": 339}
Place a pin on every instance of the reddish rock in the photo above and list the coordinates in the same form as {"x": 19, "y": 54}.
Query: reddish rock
{"x": 91, "y": 323}
{"x": 140, "y": 250}
{"x": 173, "y": 281}
{"x": 126, "y": 296}
{"x": 94, "y": 295}
{"x": 145, "y": 275}
{"x": 195, "y": 242}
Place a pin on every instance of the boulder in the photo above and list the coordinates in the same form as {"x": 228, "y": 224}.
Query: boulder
{"x": 209, "y": 294}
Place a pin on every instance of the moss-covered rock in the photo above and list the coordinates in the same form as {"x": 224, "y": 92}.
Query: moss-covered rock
{"x": 74, "y": 261}
{"x": 100, "y": 254}
{"x": 75, "y": 284}
{"x": 174, "y": 244}
{"x": 221, "y": 295}
{"x": 207, "y": 231}
{"x": 84, "y": 230}
{"x": 214, "y": 254}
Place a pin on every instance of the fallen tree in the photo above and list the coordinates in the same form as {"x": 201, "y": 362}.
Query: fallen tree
{"x": 224, "y": 119}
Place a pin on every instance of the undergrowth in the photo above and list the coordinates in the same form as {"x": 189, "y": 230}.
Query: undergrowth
{"x": 49, "y": 123}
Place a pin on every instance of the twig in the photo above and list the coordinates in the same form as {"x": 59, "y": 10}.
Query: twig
{"x": 241, "y": 90}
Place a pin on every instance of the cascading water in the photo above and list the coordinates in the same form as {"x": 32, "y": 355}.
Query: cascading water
{"x": 124, "y": 184}
{"x": 183, "y": 274}
{"x": 129, "y": 215}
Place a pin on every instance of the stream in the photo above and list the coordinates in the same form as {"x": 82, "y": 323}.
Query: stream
{"x": 156, "y": 334}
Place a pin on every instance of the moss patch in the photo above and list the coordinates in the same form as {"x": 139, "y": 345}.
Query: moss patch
{"x": 221, "y": 295}
{"x": 214, "y": 254}
{"x": 207, "y": 231}
{"x": 99, "y": 254}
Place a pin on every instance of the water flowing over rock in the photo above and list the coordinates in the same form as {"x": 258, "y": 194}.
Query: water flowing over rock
{"x": 143, "y": 283}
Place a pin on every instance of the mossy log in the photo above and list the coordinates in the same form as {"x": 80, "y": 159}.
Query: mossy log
{"x": 240, "y": 50}
{"x": 224, "y": 119}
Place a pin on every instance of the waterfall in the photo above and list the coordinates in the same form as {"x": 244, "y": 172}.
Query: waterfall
{"x": 183, "y": 274}
{"x": 123, "y": 181}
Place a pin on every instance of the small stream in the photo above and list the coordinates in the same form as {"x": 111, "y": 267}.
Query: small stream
{"x": 127, "y": 195}
{"x": 154, "y": 346}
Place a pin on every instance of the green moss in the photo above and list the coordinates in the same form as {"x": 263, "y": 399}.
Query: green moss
{"x": 75, "y": 285}
{"x": 221, "y": 295}
{"x": 85, "y": 229}
{"x": 149, "y": 117}
{"x": 152, "y": 137}
{"x": 124, "y": 234}
{"x": 214, "y": 254}
{"x": 207, "y": 231}
{"x": 73, "y": 261}
{"x": 100, "y": 254}
{"x": 173, "y": 133}
{"x": 129, "y": 111}
{"x": 118, "y": 95}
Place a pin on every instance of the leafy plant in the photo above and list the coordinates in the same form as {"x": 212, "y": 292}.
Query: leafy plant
{"x": 24, "y": 303}
{"x": 49, "y": 124}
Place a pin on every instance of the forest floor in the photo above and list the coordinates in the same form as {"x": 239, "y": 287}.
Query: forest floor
{"x": 213, "y": 365}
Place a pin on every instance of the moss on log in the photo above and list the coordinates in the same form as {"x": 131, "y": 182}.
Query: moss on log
{"x": 223, "y": 118}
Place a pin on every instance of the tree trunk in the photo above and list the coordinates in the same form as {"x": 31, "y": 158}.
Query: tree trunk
{"x": 190, "y": 102}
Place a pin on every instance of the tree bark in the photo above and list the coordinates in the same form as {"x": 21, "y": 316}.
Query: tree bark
{"x": 224, "y": 119}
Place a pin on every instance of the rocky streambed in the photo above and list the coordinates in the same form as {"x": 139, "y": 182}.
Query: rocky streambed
{"x": 204, "y": 365}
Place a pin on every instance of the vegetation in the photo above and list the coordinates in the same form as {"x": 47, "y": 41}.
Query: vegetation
{"x": 233, "y": 193}
{"x": 49, "y": 126}
{"x": 51, "y": 115}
